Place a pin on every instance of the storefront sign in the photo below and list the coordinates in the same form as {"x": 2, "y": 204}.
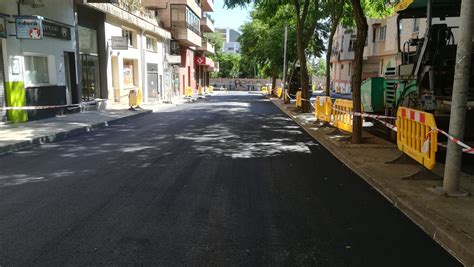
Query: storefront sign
{"x": 3, "y": 27}
{"x": 54, "y": 30}
{"x": 119, "y": 43}
{"x": 29, "y": 28}
{"x": 200, "y": 60}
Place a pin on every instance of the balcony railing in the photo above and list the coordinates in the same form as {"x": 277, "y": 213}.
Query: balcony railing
{"x": 135, "y": 6}
{"x": 185, "y": 24}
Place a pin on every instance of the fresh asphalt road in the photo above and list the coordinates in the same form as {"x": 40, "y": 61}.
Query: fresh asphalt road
{"x": 229, "y": 180}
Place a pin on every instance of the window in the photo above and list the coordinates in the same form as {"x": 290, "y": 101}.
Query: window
{"x": 130, "y": 76}
{"x": 342, "y": 66}
{"x": 36, "y": 70}
{"x": 349, "y": 69}
{"x": 374, "y": 34}
{"x": 416, "y": 25}
{"x": 382, "y": 33}
{"x": 174, "y": 47}
{"x": 129, "y": 35}
{"x": 150, "y": 44}
{"x": 352, "y": 44}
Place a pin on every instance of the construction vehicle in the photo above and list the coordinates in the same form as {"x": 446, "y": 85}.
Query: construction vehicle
{"x": 424, "y": 79}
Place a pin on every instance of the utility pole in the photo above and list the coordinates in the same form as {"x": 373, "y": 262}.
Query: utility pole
{"x": 284, "y": 60}
{"x": 451, "y": 182}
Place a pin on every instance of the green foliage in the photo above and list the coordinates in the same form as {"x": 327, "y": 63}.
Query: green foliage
{"x": 229, "y": 65}
{"x": 215, "y": 39}
{"x": 318, "y": 69}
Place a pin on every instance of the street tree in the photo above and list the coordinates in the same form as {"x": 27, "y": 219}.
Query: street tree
{"x": 362, "y": 9}
{"x": 262, "y": 40}
{"x": 306, "y": 13}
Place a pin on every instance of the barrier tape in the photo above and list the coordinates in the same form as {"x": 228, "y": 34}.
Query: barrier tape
{"x": 47, "y": 107}
{"x": 39, "y": 107}
{"x": 466, "y": 148}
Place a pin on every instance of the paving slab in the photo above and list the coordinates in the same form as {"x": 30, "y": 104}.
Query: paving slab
{"x": 448, "y": 220}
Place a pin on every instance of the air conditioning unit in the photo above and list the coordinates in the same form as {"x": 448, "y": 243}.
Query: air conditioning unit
{"x": 33, "y": 3}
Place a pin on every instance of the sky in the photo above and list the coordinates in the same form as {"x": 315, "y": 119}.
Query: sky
{"x": 229, "y": 18}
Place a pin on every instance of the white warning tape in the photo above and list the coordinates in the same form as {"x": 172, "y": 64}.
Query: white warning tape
{"x": 426, "y": 143}
{"x": 38, "y": 107}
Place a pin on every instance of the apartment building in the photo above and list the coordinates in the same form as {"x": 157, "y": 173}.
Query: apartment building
{"x": 381, "y": 55}
{"x": 230, "y": 40}
{"x": 188, "y": 20}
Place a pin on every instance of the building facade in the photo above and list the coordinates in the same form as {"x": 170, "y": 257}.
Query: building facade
{"x": 37, "y": 60}
{"x": 188, "y": 21}
{"x": 230, "y": 40}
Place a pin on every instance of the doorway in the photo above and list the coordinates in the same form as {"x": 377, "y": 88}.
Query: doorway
{"x": 152, "y": 82}
{"x": 70, "y": 75}
{"x": 90, "y": 77}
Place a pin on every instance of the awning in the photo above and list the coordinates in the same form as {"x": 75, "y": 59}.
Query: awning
{"x": 418, "y": 8}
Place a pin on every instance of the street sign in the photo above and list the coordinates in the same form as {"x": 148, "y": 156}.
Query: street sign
{"x": 55, "y": 30}
{"x": 3, "y": 27}
{"x": 119, "y": 43}
{"x": 29, "y": 27}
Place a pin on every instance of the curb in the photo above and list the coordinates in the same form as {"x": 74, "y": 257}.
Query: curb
{"x": 448, "y": 236}
{"x": 37, "y": 141}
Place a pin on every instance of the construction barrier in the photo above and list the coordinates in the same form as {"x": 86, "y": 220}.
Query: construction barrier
{"x": 279, "y": 92}
{"x": 298, "y": 99}
{"x": 322, "y": 108}
{"x": 200, "y": 90}
{"x": 264, "y": 90}
{"x": 417, "y": 135}
{"x": 211, "y": 89}
{"x": 135, "y": 97}
{"x": 342, "y": 114}
{"x": 188, "y": 92}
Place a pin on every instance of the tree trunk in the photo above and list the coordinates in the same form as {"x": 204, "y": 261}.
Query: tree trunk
{"x": 274, "y": 78}
{"x": 362, "y": 28}
{"x": 328, "y": 58}
{"x": 305, "y": 106}
{"x": 289, "y": 78}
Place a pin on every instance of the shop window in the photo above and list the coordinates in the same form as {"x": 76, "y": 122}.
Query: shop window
{"x": 151, "y": 44}
{"x": 87, "y": 41}
{"x": 36, "y": 70}
{"x": 130, "y": 73}
{"x": 130, "y": 37}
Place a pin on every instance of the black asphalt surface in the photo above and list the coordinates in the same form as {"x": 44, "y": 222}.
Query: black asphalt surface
{"x": 229, "y": 180}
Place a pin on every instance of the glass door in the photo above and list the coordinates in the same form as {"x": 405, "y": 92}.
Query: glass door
{"x": 90, "y": 77}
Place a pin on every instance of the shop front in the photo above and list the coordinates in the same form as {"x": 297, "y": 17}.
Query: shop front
{"x": 37, "y": 59}
{"x": 93, "y": 53}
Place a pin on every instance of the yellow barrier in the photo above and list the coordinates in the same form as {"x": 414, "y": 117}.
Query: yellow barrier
{"x": 264, "y": 90}
{"x": 188, "y": 92}
{"x": 340, "y": 114}
{"x": 415, "y": 136}
{"x": 298, "y": 99}
{"x": 322, "y": 109}
{"x": 211, "y": 89}
{"x": 135, "y": 97}
{"x": 279, "y": 92}
{"x": 200, "y": 90}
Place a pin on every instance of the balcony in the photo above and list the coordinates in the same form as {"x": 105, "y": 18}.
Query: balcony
{"x": 206, "y": 46}
{"x": 186, "y": 34}
{"x": 194, "y": 5}
{"x": 207, "y": 5}
{"x": 207, "y": 23}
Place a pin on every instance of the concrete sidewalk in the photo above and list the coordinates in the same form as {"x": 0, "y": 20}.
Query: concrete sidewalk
{"x": 15, "y": 137}
{"x": 449, "y": 221}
